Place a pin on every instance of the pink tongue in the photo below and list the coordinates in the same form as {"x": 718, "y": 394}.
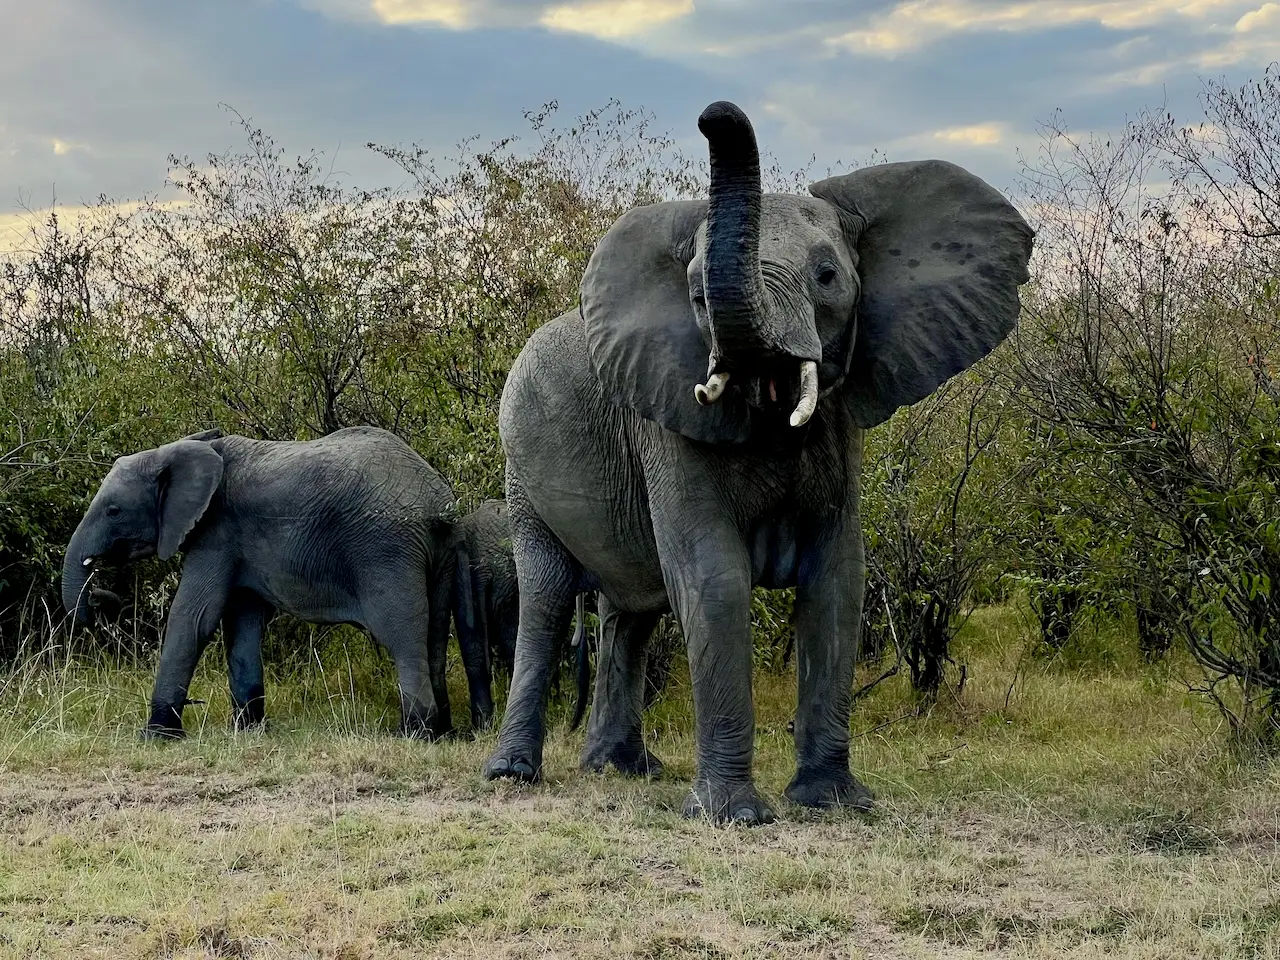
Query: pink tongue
{"x": 773, "y": 390}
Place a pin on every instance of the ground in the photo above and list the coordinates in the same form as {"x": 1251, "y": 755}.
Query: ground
{"x": 1055, "y": 810}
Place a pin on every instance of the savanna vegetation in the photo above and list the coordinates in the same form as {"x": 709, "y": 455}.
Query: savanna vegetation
{"x": 1069, "y": 700}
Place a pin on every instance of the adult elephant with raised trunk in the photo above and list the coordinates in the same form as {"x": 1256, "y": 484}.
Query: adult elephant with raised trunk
{"x": 696, "y": 428}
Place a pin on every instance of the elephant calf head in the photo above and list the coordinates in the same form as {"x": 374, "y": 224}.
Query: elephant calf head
{"x": 146, "y": 506}
{"x": 719, "y": 318}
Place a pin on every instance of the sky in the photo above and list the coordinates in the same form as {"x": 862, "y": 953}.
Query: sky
{"x": 95, "y": 94}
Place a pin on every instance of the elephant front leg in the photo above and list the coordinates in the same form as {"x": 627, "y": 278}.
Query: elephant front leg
{"x": 193, "y": 617}
{"x": 548, "y": 577}
{"x": 827, "y": 618}
{"x": 243, "y": 624}
{"x": 709, "y": 583}
{"x": 614, "y": 734}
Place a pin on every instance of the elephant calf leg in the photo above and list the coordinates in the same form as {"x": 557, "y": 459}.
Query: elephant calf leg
{"x": 614, "y": 735}
{"x": 404, "y": 636}
{"x": 193, "y": 617}
{"x": 243, "y": 625}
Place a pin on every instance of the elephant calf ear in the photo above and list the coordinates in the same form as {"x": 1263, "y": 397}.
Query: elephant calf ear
{"x": 214, "y": 433}
{"x": 642, "y": 338}
{"x": 188, "y": 474}
{"x": 941, "y": 256}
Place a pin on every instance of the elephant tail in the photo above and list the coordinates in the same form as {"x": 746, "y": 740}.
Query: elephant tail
{"x": 583, "y": 643}
{"x": 463, "y": 597}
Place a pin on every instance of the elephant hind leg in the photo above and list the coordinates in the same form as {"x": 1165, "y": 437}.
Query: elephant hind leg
{"x": 470, "y": 621}
{"x": 614, "y": 734}
{"x": 403, "y": 632}
{"x": 438, "y": 645}
{"x": 549, "y": 581}
{"x": 243, "y": 623}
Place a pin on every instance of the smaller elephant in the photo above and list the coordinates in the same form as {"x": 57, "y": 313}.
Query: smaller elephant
{"x": 352, "y": 528}
{"x": 486, "y": 610}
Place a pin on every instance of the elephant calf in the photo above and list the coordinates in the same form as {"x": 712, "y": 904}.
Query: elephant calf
{"x": 486, "y": 609}
{"x": 351, "y": 528}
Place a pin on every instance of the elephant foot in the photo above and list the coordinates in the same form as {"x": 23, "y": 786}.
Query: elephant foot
{"x": 424, "y": 730}
{"x": 480, "y": 722}
{"x": 249, "y": 716}
{"x": 632, "y": 760}
{"x": 512, "y": 765}
{"x": 164, "y": 724}
{"x": 158, "y": 734}
{"x": 733, "y": 802}
{"x": 830, "y": 788}
{"x": 423, "y": 724}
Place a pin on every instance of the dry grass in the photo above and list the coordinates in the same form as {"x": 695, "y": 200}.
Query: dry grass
{"x": 1082, "y": 813}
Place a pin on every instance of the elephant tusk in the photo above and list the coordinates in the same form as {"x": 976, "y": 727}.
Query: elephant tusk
{"x": 87, "y": 562}
{"x": 711, "y": 391}
{"x": 808, "y": 394}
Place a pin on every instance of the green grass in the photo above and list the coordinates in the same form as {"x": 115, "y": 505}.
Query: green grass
{"x": 1062, "y": 807}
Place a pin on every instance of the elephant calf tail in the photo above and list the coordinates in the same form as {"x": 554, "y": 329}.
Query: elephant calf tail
{"x": 582, "y": 644}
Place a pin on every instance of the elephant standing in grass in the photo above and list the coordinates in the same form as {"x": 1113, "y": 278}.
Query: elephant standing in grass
{"x": 696, "y": 428}
{"x": 352, "y": 528}
{"x": 486, "y": 609}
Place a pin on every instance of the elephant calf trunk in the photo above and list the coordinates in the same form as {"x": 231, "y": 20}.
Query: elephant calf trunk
{"x": 76, "y": 570}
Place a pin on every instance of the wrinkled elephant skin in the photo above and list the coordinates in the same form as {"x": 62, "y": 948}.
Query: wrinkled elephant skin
{"x": 352, "y": 528}
{"x": 696, "y": 427}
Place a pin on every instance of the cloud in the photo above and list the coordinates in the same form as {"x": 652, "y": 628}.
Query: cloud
{"x": 614, "y": 18}
{"x": 445, "y": 13}
{"x": 1268, "y": 13}
{"x": 979, "y": 134}
{"x": 915, "y": 23}
{"x": 61, "y": 147}
{"x": 605, "y": 19}
{"x": 19, "y": 229}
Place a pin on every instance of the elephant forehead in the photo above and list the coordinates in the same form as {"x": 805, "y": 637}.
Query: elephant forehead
{"x": 128, "y": 465}
{"x": 789, "y": 218}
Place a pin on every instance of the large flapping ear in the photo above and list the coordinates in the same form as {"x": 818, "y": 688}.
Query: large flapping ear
{"x": 643, "y": 340}
{"x": 188, "y": 475}
{"x": 941, "y": 256}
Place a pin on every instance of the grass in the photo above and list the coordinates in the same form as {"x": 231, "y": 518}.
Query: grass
{"x": 1058, "y": 809}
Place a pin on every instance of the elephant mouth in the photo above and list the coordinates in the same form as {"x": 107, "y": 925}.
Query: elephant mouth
{"x": 786, "y": 390}
{"x": 122, "y": 551}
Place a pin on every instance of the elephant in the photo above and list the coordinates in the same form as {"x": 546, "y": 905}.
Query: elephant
{"x": 695, "y": 428}
{"x": 354, "y": 527}
{"x": 486, "y": 608}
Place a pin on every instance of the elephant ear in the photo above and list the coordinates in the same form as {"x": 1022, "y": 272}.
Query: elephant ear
{"x": 188, "y": 473}
{"x": 214, "y": 433}
{"x": 642, "y": 338}
{"x": 941, "y": 255}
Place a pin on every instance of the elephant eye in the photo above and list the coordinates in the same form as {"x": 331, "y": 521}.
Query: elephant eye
{"x": 826, "y": 275}
{"x": 113, "y": 511}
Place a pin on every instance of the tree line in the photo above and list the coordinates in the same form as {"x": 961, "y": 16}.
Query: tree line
{"x": 1112, "y": 466}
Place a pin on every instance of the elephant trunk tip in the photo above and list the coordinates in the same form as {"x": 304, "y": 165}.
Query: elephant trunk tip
{"x": 723, "y": 120}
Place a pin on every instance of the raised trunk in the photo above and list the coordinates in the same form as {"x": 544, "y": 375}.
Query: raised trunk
{"x": 732, "y": 280}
